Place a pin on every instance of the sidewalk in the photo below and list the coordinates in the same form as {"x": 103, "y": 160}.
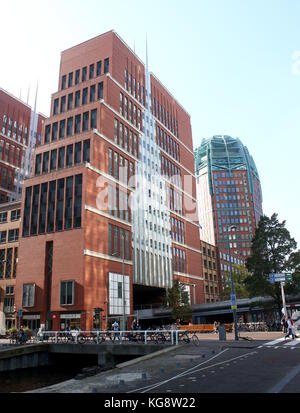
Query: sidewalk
{"x": 255, "y": 335}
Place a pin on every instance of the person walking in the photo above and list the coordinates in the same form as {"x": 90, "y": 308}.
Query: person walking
{"x": 290, "y": 328}
{"x": 115, "y": 327}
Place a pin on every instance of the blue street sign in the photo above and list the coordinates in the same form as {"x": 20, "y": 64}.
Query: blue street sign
{"x": 272, "y": 278}
{"x": 20, "y": 313}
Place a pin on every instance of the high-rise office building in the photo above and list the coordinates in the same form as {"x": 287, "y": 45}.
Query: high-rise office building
{"x": 229, "y": 197}
{"x": 20, "y": 132}
{"x": 108, "y": 220}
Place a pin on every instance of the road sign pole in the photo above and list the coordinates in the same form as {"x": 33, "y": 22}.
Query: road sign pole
{"x": 283, "y": 300}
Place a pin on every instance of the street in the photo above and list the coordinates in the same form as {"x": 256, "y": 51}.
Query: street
{"x": 213, "y": 367}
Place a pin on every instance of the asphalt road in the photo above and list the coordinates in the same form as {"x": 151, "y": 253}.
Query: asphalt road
{"x": 213, "y": 367}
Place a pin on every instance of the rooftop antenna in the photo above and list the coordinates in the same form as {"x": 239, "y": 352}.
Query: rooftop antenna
{"x": 36, "y": 94}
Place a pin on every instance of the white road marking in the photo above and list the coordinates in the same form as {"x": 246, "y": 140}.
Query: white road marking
{"x": 274, "y": 342}
{"x": 293, "y": 343}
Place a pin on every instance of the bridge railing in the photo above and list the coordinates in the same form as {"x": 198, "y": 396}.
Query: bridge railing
{"x": 171, "y": 337}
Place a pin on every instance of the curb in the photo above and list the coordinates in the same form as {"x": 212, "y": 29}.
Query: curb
{"x": 147, "y": 357}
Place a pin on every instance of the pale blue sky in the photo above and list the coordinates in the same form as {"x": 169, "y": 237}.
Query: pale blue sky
{"x": 228, "y": 62}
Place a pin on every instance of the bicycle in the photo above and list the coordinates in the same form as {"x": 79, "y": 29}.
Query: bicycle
{"x": 184, "y": 337}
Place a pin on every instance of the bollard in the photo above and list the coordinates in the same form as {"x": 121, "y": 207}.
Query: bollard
{"x": 55, "y": 338}
{"x": 97, "y": 337}
{"x": 76, "y": 338}
{"x": 176, "y": 337}
{"x": 172, "y": 338}
{"x": 145, "y": 337}
{"x": 121, "y": 336}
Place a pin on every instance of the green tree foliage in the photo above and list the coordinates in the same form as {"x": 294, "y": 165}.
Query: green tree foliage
{"x": 272, "y": 252}
{"x": 178, "y": 301}
{"x": 239, "y": 275}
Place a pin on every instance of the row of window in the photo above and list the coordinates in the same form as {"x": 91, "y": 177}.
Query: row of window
{"x": 164, "y": 117}
{"x": 211, "y": 290}
{"x": 13, "y": 236}
{"x": 71, "y": 126}
{"x": 209, "y": 264}
{"x": 53, "y": 206}
{"x": 94, "y": 69}
{"x": 177, "y": 230}
{"x": 8, "y": 263}
{"x": 77, "y": 99}
{"x": 168, "y": 144}
{"x": 179, "y": 260}
{"x": 118, "y": 203}
{"x": 210, "y": 253}
{"x": 11, "y": 128}
{"x": 10, "y": 153}
{"x": 211, "y": 277}
{"x": 67, "y": 294}
{"x": 6, "y": 178}
{"x": 130, "y": 111}
{"x": 63, "y": 157}
{"x": 172, "y": 171}
{"x": 134, "y": 87}
{"x": 119, "y": 167}
{"x": 119, "y": 244}
{"x": 125, "y": 138}
{"x": 174, "y": 201}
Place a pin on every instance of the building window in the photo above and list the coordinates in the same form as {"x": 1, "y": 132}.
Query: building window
{"x": 99, "y": 64}
{"x": 86, "y": 150}
{"x": 70, "y": 82}
{"x": 77, "y": 123}
{"x": 3, "y": 237}
{"x": 63, "y": 104}
{"x": 2, "y": 259}
{"x": 77, "y": 76}
{"x": 85, "y": 96}
{"x": 77, "y": 99}
{"x": 55, "y": 107}
{"x": 85, "y": 122}
{"x": 26, "y": 217}
{"x": 78, "y": 153}
{"x": 28, "y": 295}
{"x": 70, "y": 101}
{"x": 77, "y": 201}
{"x": 60, "y": 204}
{"x": 106, "y": 65}
{"x": 51, "y": 206}
{"x": 92, "y": 93}
{"x": 53, "y": 160}
{"x": 62, "y": 126}
{"x": 13, "y": 235}
{"x": 69, "y": 160}
{"x": 67, "y": 293}
{"x": 84, "y": 73}
{"x": 61, "y": 158}
{"x": 15, "y": 215}
{"x": 45, "y": 162}
{"x": 63, "y": 82}
{"x": 92, "y": 71}
{"x": 100, "y": 90}
{"x": 94, "y": 119}
{"x": 47, "y": 133}
{"x": 69, "y": 202}
{"x": 70, "y": 127}
{"x": 43, "y": 208}
{"x": 38, "y": 161}
{"x": 34, "y": 209}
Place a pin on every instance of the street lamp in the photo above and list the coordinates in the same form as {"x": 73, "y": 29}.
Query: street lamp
{"x": 233, "y": 297}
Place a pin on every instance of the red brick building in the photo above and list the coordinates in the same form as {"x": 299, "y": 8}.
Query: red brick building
{"x": 20, "y": 132}
{"x": 108, "y": 144}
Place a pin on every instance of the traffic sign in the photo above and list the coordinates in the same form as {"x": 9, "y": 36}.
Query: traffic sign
{"x": 277, "y": 277}
{"x": 288, "y": 277}
{"x": 272, "y": 278}
{"x": 233, "y": 302}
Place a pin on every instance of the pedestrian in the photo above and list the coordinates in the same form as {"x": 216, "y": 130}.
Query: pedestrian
{"x": 290, "y": 328}
{"x": 115, "y": 328}
{"x": 216, "y": 327}
{"x": 284, "y": 324}
{"x": 134, "y": 325}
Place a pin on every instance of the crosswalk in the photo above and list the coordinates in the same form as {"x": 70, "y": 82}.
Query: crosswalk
{"x": 283, "y": 343}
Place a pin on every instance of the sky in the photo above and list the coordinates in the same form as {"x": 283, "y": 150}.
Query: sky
{"x": 234, "y": 65}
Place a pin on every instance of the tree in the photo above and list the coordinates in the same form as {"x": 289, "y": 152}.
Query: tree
{"x": 272, "y": 249}
{"x": 178, "y": 301}
{"x": 239, "y": 275}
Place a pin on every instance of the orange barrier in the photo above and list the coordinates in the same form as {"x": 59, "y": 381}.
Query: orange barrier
{"x": 204, "y": 328}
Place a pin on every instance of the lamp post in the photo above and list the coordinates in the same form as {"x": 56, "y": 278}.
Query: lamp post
{"x": 233, "y": 298}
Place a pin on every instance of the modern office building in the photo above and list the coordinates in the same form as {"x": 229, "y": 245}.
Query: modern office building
{"x": 20, "y": 132}
{"x": 108, "y": 223}
{"x": 229, "y": 197}
{"x": 9, "y": 242}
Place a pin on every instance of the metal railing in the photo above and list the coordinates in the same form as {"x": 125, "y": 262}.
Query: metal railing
{"x": 168, "y": 337}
